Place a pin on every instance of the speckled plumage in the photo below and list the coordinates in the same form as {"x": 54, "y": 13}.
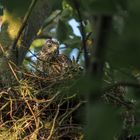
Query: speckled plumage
{"x": 50, "y": 62}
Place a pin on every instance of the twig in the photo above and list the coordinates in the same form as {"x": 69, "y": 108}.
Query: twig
{"x": 12, "y": 70}
{"x": 124, "y": 103}
{"x": 34, "y": 115}
{"x": 51, "y": 100}
{"x": 8, "y": 62}
{"x": 76, "y": 4}
{"x": 66, "y": 129}
{"x": 11, "y": 108}
{"x": 53, "y": 125}
{"x": 34, "y": 55}
{"x": 81, "y": 49}
{"x": 70, "y": 112}
{"x": 123, "y": 84}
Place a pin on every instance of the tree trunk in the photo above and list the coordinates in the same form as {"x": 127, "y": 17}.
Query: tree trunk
{"x": 40, "y": 12}
{"x": 18, "y": 45}
{"x": 103, "y": 25}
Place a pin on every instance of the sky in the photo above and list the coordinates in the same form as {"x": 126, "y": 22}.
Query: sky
{"x": 74, "y": 24}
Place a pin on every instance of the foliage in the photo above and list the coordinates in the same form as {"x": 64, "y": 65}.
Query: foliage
{"x": 108, "y": 54}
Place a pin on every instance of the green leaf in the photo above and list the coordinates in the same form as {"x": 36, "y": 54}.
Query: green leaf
{"x": 63, "y": 30}
{"x": 67, "y": 10}
{"x": 50, "y": 19}
{"x": 66, "y": 14}
{"x": 73, "y": 43}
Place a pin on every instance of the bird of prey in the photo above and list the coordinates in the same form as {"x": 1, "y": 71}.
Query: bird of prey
{"x": 50, "y": 62}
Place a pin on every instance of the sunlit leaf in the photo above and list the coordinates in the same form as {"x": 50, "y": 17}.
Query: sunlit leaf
{"x": 66, "y": 14}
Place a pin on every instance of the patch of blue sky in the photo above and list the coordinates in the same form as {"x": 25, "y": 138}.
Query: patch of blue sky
{"x": 74, "y": 54}
{"x": 74, "y": 24}
{"x": 31, "y": 54}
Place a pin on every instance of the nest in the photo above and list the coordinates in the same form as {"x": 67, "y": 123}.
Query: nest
{"x": 41, "y": 108}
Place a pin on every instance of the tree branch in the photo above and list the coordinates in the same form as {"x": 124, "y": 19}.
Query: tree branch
{"x": 83, "y": 33}
{"x": 35, "y": 21}
{"x": 24, "y": 24}
{"x": 123, "y": 84}
{"x": 81, "y": 49}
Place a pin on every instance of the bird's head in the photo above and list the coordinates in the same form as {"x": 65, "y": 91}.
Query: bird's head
{"x": 51, "y": 47}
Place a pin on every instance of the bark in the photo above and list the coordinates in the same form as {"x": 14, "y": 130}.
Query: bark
{"x": 25, "y": 35}
{"x": 36, "y": 19}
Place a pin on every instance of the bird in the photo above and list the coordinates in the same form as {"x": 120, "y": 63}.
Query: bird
{"x": 50, "y": 62}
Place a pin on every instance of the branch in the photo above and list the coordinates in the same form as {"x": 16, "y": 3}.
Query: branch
{"x": 103, "y": 27}
{"x": 36, "y": 20}
{"x": 81, "y": 49}
{"x": 83, "y": 33}
{"x": 127, "y": 104}
{"x": 71, "y": 111}
{"x": 54, "y": 122}
{"x": 123, "y": 84}
{"x": 24, "y": 23}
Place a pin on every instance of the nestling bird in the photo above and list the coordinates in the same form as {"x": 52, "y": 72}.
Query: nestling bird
{"x": 50, "y": 62}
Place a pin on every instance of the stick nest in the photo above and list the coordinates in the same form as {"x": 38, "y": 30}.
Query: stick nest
{"x": 41, "y": 108}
